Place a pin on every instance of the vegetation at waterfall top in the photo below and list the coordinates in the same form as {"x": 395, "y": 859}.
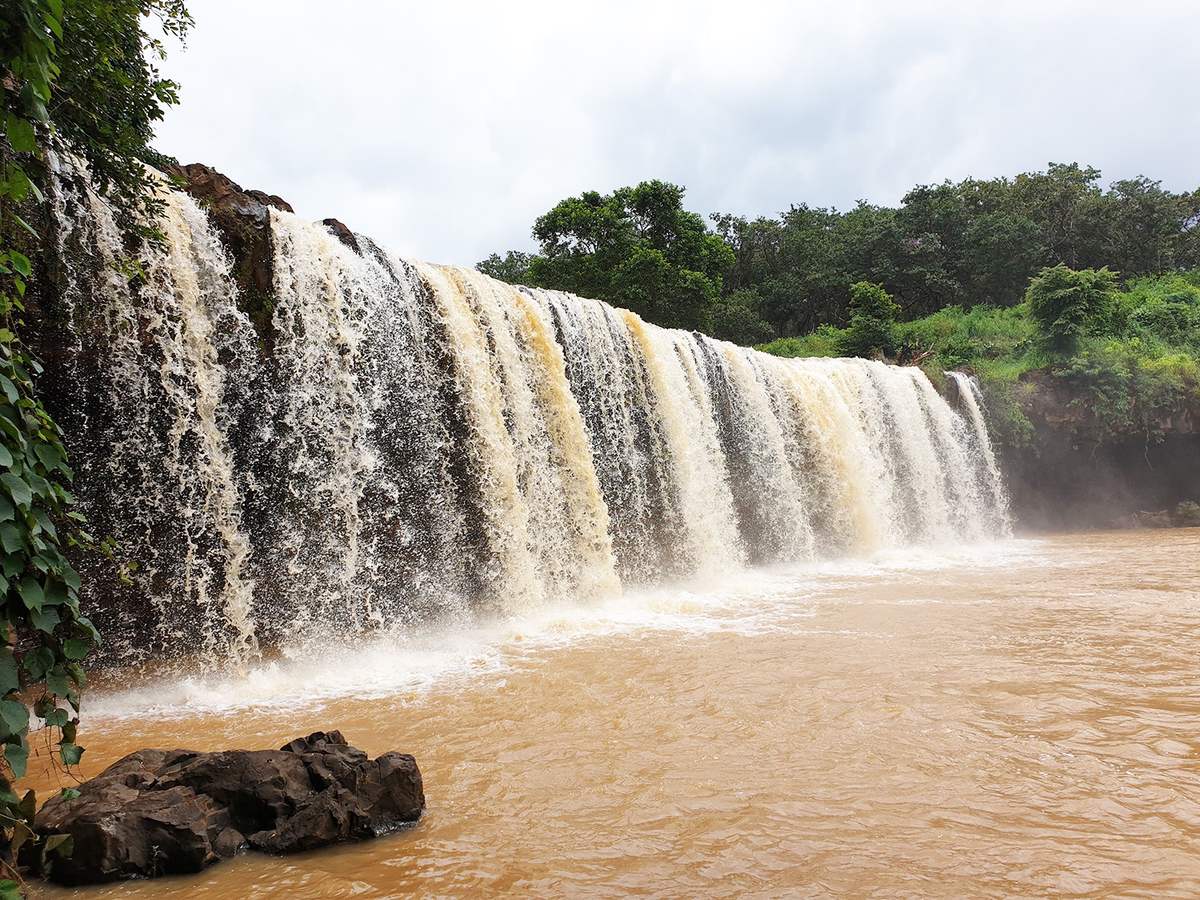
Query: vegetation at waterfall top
{"x": 1097, "y": 286}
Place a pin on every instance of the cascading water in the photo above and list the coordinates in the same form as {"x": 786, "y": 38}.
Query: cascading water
{"x": 403, "y": 442}
{"x": 971, "y": 398}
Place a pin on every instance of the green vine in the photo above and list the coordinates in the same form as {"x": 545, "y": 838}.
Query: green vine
{"x": 79, "y": 76}
{"x": 46, "y": 637}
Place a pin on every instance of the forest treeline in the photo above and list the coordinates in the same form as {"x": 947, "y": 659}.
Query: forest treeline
{"x": 976, "y": 242}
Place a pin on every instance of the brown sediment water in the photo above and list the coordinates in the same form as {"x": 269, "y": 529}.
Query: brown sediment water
{"x": 1021, "y": 719}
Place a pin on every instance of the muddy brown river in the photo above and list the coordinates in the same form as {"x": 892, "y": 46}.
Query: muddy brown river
{"x": 1021, "y": 719}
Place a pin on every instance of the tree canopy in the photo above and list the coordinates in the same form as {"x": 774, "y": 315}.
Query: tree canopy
{"x": 637, "y": 248}
{"x": 967, "y": 243}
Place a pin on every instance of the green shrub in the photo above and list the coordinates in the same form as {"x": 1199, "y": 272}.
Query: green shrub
{"x": 873, "y": 314}
{"x": 825, "y": 341}
{"x": 1066, "y": 304}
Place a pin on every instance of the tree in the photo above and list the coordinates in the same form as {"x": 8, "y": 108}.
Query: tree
{"x": 636, "y": 248}
{"x": 872, "y": 330}
{"x": 968, "y": 243}
{"x": 736, "y": 318}
{"x": 513, "y": 267}
{"x": 1143, "y": 227}
{"x": 1066, "y": 304}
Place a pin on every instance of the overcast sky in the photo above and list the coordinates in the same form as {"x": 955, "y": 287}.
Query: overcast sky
{"x": 443, "y": 129}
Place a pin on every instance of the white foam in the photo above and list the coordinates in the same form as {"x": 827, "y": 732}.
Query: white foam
{"x": 408, "y": 663}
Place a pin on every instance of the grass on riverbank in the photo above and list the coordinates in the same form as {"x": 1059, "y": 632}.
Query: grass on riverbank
{"x": 1136, "y": 368}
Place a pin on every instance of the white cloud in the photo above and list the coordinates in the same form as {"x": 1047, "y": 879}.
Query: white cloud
{"x": 444, "y": 129}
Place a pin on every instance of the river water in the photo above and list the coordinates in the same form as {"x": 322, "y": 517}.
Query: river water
{"x": 1016, "y": 719}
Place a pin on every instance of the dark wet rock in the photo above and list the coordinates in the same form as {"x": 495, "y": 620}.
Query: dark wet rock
{"x": 160, "y": 812}
{"x": 1070, "y": 470}
{"x": 339, "y": 230}
{"x": 243, "y": 218}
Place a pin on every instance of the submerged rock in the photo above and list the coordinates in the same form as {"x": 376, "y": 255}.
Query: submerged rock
{"x": 163, "y": 812}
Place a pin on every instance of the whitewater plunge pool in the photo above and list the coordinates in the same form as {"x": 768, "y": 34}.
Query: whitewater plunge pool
{"x": 1015, "y": 720}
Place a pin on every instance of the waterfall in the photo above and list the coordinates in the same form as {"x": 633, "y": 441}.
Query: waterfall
{"x": 980, "y": 441}
{"x": 381, "y": 443}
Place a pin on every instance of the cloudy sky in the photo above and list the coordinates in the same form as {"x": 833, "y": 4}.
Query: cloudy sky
{"x": 444, "y": 128}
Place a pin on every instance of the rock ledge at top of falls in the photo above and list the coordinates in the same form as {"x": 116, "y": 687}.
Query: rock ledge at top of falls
{"x": 164, "y": 812}
{"x": 243, "y": 219}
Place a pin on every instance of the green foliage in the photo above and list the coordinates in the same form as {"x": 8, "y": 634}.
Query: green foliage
{"x": 109, "y": 94}
{"x": 958, "y": 336}
{"x": 637, "y": 248}
{"x": 40, "y": 587}
{"x": 872, "y": 330}
{"x": 968, "y": 243}
{"x": 1067, "y": 304}
{"x": 1135, "y": 365}
{"x": 73, "y": 76}
{"x": 1129, "y": 387}
{"x": 513, "y": 267}
{"x": 825, "y": 341}
{"x": 737, "y": 318}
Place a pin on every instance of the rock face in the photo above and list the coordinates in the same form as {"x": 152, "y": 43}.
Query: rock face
{"x": 162, "y": 812}
{"x": 243, "y": 217}
{"x": 1071, "y": 473}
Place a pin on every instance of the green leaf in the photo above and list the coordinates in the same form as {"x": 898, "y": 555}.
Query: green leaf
{"x": 6, "y": 458}
{"x": 17, "y": 756}
{"x": 20, "y": 262}
{"x": 9, "y": 678}
{"x": 38, "y": 662}
{"x": 56, "y": 593}
{"x": 49, "y": 455}
{"x": 29, "y": 228}
{"x": 14, "y": 717}
{"x": 10, "y": 539}
{"x": 32, "y": 593}
{"x": 45, "y": 620}
{"x": 56, "y": 718}
{"x": 76, "y": 648}
{"x": 84, "y": 623}
{"x": 7, "y": 510}
{"x": 20, "y": 134}
{"x": 71, "y": 753}
{"x": 70, "y": 794}
{"x": 75, "y": 670}
{"x": 17, "y": 488}
{"x": 28, "y": 805}
{"x": 57, "y": 683}
{"x": 46, "y": 523}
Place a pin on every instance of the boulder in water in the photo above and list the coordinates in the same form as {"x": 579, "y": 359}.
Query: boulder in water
{"x": 163, "y": 812}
